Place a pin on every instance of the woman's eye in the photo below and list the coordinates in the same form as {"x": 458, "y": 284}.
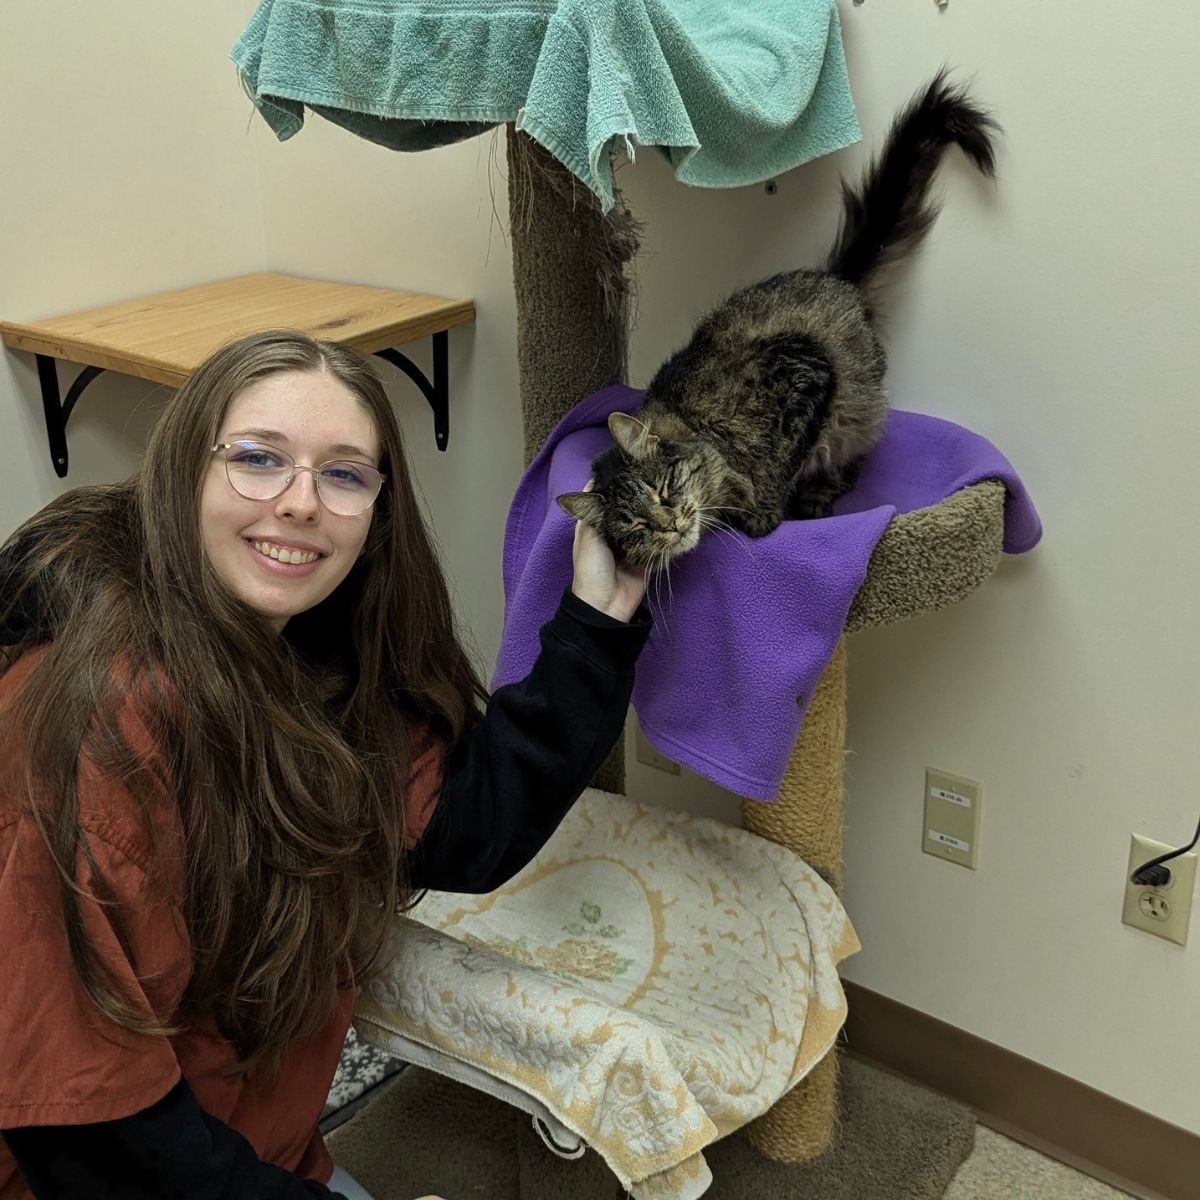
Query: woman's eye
{"x": 255, "y": 458}
{"x": 345, "y": 475}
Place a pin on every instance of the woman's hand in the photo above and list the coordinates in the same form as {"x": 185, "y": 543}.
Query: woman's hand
{"x": 602, "y": 582}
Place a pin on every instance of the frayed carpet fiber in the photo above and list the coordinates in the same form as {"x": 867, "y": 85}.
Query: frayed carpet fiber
{"x": 422, "y": 1133}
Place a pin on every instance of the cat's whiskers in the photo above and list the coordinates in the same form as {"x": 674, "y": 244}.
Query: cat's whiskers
{"x": 658, "y": 566}
{"x": 710, "y": 523}
{"x": 651, "y": 584}
{"x": 654, "y": 604}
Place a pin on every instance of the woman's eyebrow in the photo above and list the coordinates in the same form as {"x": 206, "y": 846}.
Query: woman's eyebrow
{"x": 260, "y": 435}
{"x": 344, "y": 448}
{"x": 276, "y": 438}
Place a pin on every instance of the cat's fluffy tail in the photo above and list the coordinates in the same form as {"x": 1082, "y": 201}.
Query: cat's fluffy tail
{"x": 887, "y": 216}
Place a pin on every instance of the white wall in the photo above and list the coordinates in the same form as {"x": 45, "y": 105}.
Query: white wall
{"x": 1049, "y": 314}
{"x": 125, "y": 168}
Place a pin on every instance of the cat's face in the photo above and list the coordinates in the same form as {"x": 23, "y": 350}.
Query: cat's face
{"x": 648, "y": 494}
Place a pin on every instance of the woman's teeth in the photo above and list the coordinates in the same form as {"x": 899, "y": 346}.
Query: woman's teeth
{"x": 283, "y": 554}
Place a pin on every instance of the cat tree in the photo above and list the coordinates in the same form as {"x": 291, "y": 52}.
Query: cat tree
{"x": 571, "y": 267}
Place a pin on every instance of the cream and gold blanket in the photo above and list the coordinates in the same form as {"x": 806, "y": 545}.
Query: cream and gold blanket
{"x": 651, "y": 982}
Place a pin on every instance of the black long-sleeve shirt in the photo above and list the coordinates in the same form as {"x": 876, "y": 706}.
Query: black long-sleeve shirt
{"x": 541, "y": 740}
{"x": 506, "y": 789}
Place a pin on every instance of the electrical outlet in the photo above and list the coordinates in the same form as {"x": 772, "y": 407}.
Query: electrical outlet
{"x": 1162, "y": 911}
{"x": 951, "y": 829}
{"x": 647, "y": 754}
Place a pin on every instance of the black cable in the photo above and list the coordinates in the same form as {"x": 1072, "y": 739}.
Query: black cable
{"x": 1153, "y": 873}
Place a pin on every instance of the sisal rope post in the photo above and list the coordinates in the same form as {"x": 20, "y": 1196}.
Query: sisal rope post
{"x": 574, "y": 295}
{"x": 807, "y": 818}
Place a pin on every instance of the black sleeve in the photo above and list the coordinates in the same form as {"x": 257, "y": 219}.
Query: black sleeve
{"x": 512, "y": 780}
{"x": 172, "y": 1150}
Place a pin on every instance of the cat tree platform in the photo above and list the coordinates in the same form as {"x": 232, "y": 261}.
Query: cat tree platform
{"x": 932, "y": 558}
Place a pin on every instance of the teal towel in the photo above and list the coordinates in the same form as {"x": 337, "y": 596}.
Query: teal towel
{"x": 732, "y": 91}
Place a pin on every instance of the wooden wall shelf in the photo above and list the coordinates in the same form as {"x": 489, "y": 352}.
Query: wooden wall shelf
{"x": 166, "y": 336}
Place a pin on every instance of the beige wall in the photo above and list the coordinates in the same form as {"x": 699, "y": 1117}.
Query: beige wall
{"x": 126, "y": 167}
{"x": 1056, "y": 315}
{"x": 1049, "y": 314}
{"x": 338, "y": 207}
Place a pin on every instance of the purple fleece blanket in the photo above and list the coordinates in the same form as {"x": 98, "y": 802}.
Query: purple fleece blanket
{"x": 748, "y": 625}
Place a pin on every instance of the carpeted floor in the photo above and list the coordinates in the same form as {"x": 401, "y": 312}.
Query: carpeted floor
{"x": 1001, "y": 1169}
{"x": 424, "y": 1134}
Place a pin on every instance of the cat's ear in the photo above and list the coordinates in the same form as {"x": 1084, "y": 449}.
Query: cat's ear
{"x": 633, "y": 437}
{"x": 583, "y": 506}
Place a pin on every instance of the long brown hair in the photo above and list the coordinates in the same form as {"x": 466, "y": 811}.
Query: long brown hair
{"x": 287, "y": 755}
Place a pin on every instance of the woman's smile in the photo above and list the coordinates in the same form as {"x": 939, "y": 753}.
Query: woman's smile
{"x": 283, "y": 554}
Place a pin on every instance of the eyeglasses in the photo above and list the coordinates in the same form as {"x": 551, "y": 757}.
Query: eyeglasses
{"x": 261, "y": 472}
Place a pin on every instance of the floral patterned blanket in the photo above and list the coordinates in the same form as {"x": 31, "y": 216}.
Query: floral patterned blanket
{"x": 651, "y": 982}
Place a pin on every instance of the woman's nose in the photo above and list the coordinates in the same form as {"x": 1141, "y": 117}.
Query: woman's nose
{"x": 300, "y": 498}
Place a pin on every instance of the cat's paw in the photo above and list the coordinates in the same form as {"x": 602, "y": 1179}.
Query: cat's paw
{"x": 757, "y": 525}
{"x": 810, "y": 508}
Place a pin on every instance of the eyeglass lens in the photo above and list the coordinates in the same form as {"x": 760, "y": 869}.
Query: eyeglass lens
{"x": 261, "y": 472}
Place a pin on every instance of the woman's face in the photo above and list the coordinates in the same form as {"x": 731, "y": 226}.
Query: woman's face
{"x": 314, "y": 417}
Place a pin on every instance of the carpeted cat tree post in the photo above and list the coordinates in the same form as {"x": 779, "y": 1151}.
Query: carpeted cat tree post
{"x": 573, "y": 294}
{"x": 573, "y": 288}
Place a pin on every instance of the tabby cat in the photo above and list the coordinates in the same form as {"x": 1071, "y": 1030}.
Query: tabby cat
{"x": 768, "y": 410}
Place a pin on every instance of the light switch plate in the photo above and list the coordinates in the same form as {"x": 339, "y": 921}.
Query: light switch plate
{"x": 951, "y": 828}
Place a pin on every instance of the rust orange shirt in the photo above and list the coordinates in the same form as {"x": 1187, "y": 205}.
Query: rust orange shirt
{"x": 61, "y": 1061}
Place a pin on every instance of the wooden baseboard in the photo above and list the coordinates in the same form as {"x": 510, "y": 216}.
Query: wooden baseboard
{"x": 1018, "y": 1097}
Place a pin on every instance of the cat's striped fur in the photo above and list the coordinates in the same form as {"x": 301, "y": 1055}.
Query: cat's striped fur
{"x": 773, "y": 402}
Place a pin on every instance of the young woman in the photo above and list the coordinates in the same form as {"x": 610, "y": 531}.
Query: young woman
{"x": 238, "y": 732}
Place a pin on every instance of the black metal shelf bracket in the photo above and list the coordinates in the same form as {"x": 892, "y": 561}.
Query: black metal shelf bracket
{"x": 58, "y": 412}
{"x": 437, "y": 392}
